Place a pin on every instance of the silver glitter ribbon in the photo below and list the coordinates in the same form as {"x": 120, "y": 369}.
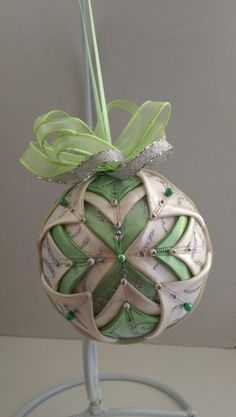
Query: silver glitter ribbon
{"x": 155, "y": 153}
{"x": 88, "y": 168}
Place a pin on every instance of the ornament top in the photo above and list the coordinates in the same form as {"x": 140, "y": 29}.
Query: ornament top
{"x": 76, "y": 152}
{"x": 67, "y": 150}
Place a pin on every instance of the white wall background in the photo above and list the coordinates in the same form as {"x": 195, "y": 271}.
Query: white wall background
{"x": 183, "y": 51}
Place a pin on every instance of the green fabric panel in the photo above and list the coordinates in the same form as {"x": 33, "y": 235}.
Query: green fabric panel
{"x": 180, "y": 269}
{"x": 66, "y": 245}
{"x": 107, "y": 288}
{"x": 132, "y": 226}
{"x": 101, "y": 226}
{"x": 110, "y": 188}
{"x": 139, "y": 281}
{"x": 72, "y": 251}
{"x": 174, "y": 234}
{"x": 109, "y": 284}
{"x": 72, "y": 277}
{"x": 130, "y": 323}
{"x": 134, "y": 223}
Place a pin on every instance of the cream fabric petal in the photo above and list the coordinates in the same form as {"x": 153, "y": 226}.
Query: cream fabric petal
{"x": 129, "y": 201}
{"x": 174, "y": 294}
{"x": 59, "y": 215}
{"x": 67, "y": 215}
{"x": 177, "y": 205}
{"x": 54, "y": 264}
{"x": 77, "y": 198}
{"x": 191, "y": 248}
{"x": 115, "y": 214}
{"x": 82, "y": 306}
{"x": 155, "y": 189}
{"x": 160, "y": 205}
{"x": 153, "y": 233}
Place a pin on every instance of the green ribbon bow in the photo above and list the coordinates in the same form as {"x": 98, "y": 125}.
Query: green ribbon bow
{"x": 67, "y": 150}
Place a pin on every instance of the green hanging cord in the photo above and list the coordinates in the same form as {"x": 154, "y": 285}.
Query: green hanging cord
{"x": 93, "y": 79}
{"x": 99, "y": 93}
{"x": 99, "y": 75}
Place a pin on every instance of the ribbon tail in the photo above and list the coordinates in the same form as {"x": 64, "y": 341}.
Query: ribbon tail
{"x": 144, "y": 128}
{"x": 40, "y": 165}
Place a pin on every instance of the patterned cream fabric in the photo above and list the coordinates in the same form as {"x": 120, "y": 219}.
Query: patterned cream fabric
{"x": 124, "y": 260}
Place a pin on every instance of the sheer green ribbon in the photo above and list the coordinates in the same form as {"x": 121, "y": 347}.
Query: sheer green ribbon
{"x": 67, "y": 150}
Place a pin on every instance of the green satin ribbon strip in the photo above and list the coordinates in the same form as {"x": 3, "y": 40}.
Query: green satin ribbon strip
{"x": 164, "y": 254}
{"x": 130, "y": 323}
{"x": 73, "y": 252}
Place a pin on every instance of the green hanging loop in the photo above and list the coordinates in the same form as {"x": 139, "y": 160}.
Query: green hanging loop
{"x": 96, "y": 75}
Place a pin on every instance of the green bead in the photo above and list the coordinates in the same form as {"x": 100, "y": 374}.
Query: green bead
{"x": 169, "y": 192}
{"x": 70, "y": 315}
{"x": 121, "y": 258}
{"x": 188, "y": 306}
{"x": 63, "y": 202}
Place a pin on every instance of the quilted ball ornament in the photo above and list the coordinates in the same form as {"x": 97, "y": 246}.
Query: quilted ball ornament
{"x": 124, "y": 254}
{"x": 124, "y": 260}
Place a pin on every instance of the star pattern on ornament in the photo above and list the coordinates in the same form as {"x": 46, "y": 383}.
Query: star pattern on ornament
{"x": 120, "y": 252}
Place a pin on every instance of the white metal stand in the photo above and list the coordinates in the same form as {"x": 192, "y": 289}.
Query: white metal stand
{"x": 96, "y": 407}
{"x": 91, "y": 376}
